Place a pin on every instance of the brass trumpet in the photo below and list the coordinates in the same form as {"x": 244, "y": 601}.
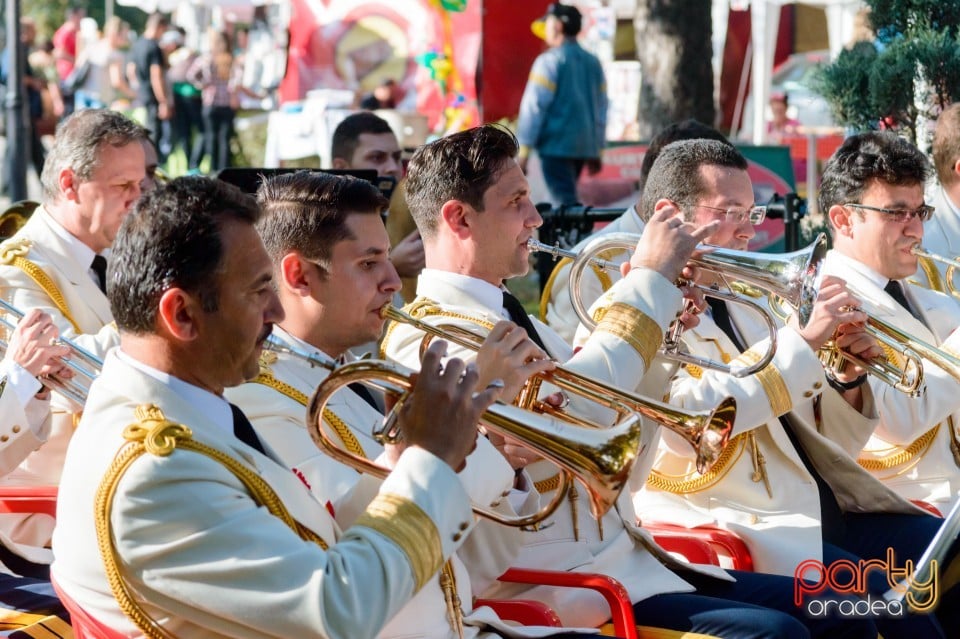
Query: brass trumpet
{"x": 600, "y": 459}
{"x": 85, "y": 365}
{"x": 947, "y": 285}
{"x": 789, "y": 275}
{"x": 706, "y": 431}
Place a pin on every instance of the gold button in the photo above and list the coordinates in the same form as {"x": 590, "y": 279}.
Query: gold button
{"x": 808, "y": 394}
{"x": 464, "y": 525}
{"x": 817, "y": 385}
{"x": 3, "y": 438}
{"x": 16, "y": 428}
{"x": 505, "y": 493}
{"x": 495, "y": 503}
{"x": 457, "y": 536}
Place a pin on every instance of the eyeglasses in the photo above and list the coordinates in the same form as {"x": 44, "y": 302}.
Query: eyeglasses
{"x": 923, "y": 212}
{"x": 739, "y": 216}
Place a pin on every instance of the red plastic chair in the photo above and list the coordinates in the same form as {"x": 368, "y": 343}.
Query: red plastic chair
{"x": 84, "y": 626}
{"x": 927, "y": 506}
{"x": 621, "y": 610}
{"x": 523, "y": 611}
{"x": 29, "y": 499}
{"x": 690, "y": 543}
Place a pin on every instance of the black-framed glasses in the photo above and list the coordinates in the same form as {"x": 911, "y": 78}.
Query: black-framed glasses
{"x": 924, "y": 212}
{"x": 755, "y": 214}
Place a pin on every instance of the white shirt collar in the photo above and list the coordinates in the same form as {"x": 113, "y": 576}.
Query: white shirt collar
{"x": 299, "y": 344}
{"x": 214, "y": 407}
{"x": 488, "y": 295}
{"x": 861, "y": 268}
{"x": 79, "y": 251}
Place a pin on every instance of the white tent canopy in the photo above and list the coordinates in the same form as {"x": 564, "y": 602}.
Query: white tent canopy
{"x": 765, "y": 23}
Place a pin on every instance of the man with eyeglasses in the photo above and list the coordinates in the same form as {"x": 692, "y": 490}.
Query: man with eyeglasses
{"x": 873, "y": 195}
{"x": 785, "y": 484}
{"x": 556, "y": 308}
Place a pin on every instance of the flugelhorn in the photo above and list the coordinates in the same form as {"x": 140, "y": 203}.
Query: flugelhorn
{"x": 947, "y": 285}
{"x": 599, "y": 459}
{"x": 706, "y": 431}
{"x": 84, "y": 364}
{"x": 789, "y": 275}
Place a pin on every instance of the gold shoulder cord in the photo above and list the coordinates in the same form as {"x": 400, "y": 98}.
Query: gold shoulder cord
{"x": 694, "y": 482}
{"x": 15, "y": 254}
{"x": 910, "y": 455}
{"x": 350, "y": 442}
{"x": 605, "y": 281}
{"x": 156, "y": 435}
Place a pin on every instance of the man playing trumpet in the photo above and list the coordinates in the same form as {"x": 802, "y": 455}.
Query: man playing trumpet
{"x": 472, "y": 205}
{"x": 873, "y": 197}
{"x": 787, "y": 484}
{"x": 172, "y": 514}
{"x": 330, "y": 254}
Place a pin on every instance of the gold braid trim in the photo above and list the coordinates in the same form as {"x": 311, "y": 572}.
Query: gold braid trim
{"x": 548, "y": 484}
{"x": 14, "y": 254}
{"x": 404, "y": 522}
{"x": 605, "y": 281}
{"x": 350, "y": 442}
{"x": 632, "y": 326}
{"x": 155, "y": 434}
{"x": 915, "y": 450}
{"x": 772, "y": 381}
{"x": 423, "y": 307}
{"x": 693, "y": 482}
{"x": 919, "y": 446}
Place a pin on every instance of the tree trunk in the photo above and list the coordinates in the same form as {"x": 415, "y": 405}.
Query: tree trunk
{"x": 673, "y": 39}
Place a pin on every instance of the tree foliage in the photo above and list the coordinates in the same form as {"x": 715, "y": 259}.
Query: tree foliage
{"x": 908, "y": 75}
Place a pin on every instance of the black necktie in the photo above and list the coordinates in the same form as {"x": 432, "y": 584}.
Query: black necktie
{"x": 831, "y": 516}
{"x": 721, "y": 317}
{"x": 895, "y": 290}
{"x": 243, "y": 430}
{"x": 519, "y": 316}
{"x": 99, "y": 267}
{"x": 361, "y": 389}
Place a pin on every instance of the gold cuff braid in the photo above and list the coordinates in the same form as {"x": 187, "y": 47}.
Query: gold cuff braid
{"x": 404, "y": 522}
{"x": 634, "y": 327}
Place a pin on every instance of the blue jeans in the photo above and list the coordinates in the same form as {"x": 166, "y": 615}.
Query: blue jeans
{"x": 560, "y": 175}
{"x": 84, "y": 100}
{"x": 756, "y": 606}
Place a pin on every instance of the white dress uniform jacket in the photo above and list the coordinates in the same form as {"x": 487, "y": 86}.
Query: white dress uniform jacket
{"x": 41, "y": 241}
{"x": 206, "y": 560}
{"x": 929, "y": 471}
{"x": 278, "y": 418}
{"x": 555, "y": 304}
{"x": 24, "y": 419}
{"x": 622, "y": 550}
{"x": 781, "y": 528}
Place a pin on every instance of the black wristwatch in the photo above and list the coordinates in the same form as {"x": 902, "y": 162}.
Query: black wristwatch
{"x": 839, "y": 386}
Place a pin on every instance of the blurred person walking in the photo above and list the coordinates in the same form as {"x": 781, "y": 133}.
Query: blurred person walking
{"x": 563, "y": 112}
{"x": 105, "y": 83}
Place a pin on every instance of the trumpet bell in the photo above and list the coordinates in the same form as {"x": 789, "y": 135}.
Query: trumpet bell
{"x": 600, "y": 459}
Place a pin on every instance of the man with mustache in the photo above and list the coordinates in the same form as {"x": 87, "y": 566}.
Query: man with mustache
{"x": 171, "y": 511}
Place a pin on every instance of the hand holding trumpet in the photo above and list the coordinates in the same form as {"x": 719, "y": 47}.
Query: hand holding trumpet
{"x": 35, "y": 346}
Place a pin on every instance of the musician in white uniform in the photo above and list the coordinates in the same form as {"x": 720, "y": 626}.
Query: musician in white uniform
{"x": 171, "y": 513}
{"x": 472, "y": 205}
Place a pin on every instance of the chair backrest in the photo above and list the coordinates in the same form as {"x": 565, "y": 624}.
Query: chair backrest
{"x": 84, "y": 626}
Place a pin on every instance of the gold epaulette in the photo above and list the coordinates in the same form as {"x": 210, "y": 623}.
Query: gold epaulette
{"x": 14, "y": 253}
{"x": 153, "y": 433}
{"x": 266, "y": 378}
